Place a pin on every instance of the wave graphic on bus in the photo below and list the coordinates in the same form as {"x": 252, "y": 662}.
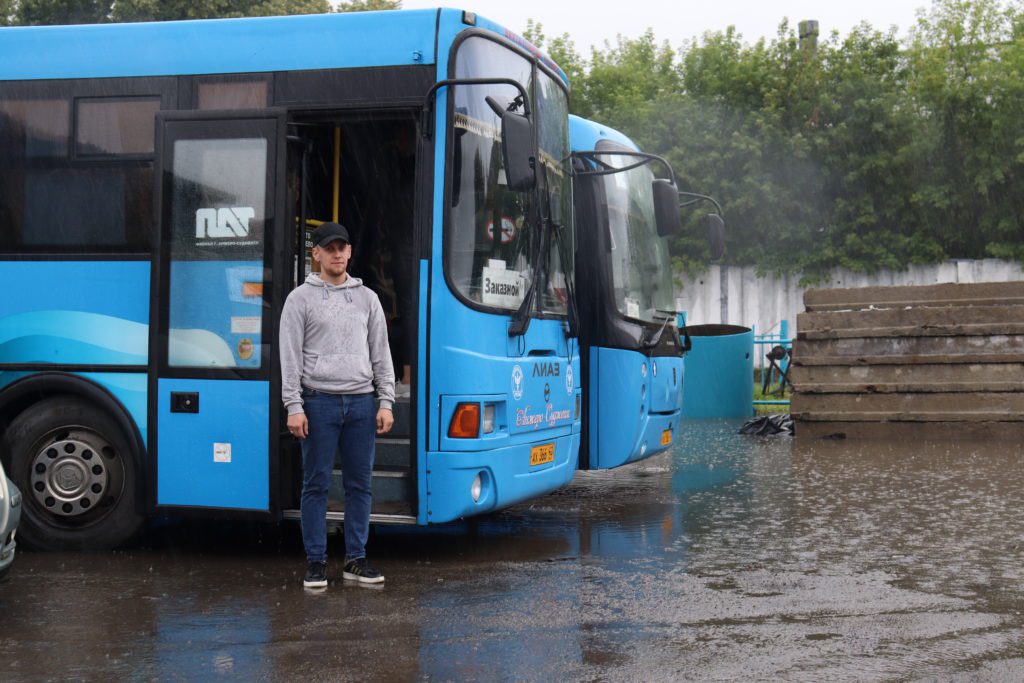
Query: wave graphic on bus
{"x": 75, "y": 337}
{"x": 72, "y": 337}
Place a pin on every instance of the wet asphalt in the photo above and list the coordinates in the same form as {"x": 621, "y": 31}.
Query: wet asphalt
{"x": 728, "y": 558}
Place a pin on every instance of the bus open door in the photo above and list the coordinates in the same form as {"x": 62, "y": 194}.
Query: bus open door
{"x": 219, "y": 188}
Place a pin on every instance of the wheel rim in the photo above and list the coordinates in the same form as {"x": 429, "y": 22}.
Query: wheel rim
{"x": 75, "y": 476}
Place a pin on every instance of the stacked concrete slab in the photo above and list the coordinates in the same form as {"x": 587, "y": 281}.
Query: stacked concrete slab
{"x": 937, "y": 361}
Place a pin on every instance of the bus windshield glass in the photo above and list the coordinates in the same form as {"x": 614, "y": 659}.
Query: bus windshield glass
{"x": 494, "y": 232}
{"x": 641, "y": 266}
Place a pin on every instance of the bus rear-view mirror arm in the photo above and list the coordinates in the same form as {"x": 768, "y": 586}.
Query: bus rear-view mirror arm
{"x": 664, "y": 190}
{"x": 517, "y": 136}
{"x": 428, "y": 99}
{"x": 593, "y": 156}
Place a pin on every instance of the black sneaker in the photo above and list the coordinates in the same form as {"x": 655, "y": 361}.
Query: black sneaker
{"x": 316, "y": 575}
{"x": 358, "y": 570}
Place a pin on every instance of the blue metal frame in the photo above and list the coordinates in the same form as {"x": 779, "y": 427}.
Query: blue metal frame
{"x": 768, "y": 340}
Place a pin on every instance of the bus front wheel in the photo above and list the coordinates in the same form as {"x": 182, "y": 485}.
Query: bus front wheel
{"x": 77, "y": 476}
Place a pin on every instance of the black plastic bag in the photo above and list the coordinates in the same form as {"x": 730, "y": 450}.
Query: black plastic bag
{"x": 768, "y": 425}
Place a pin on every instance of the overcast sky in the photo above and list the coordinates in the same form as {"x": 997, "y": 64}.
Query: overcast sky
{"x": 591, "y": 23}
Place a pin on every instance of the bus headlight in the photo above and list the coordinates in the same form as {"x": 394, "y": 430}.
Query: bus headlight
{"x": 476, "y": 488}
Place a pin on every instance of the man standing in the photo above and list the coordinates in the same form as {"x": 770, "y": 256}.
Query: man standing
{"x": 334, "y": 354}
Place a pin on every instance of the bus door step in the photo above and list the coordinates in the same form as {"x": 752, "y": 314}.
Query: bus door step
{"x": 393, "y": 452}
{"x": 375, "y": 518}
{"x": 390, "y": 485}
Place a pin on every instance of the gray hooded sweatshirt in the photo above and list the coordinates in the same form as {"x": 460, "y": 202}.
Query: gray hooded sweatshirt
{"x": 334, "y": 339}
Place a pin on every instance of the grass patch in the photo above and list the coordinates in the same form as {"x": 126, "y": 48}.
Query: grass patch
{"x": 772, "y": 395}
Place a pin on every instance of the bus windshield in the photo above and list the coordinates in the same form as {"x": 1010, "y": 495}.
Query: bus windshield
{"x": 640, "y": 261}
{"x": 492, "y": 231}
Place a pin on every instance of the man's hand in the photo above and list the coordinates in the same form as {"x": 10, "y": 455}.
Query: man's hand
{"x": 298, "y": 425}
{"x": 384, "y": 420}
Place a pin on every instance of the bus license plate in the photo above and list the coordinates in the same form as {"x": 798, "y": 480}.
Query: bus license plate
{"x": 666, "y": 437}
{"x": 542, "y": 454}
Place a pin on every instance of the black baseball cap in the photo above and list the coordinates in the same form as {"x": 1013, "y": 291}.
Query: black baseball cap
{"x": 328, "y": 232}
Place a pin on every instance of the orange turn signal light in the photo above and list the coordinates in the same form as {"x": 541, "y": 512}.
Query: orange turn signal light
{"x": 466, "y": 422}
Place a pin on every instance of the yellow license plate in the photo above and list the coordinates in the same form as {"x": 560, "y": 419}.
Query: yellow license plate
{"x": 542, "y": 454}
{"x": 666, "y": 437}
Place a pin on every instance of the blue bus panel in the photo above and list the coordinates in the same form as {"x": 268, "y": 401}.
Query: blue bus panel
{"x": 505, "y": 478}
{"x": 75, "y": 313}
{"x": 219, "y": 46}
{"x": 219, "y": 456}
{"x": 72, "y": 313}
{"x": 535, "y": 400}
{"x": 624, "y": 426}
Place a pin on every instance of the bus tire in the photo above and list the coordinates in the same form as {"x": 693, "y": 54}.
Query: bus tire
{"x": 77, "y": 475}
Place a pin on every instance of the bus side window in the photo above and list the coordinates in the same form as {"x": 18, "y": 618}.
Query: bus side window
{"x": 109, "y": 126}
{"x": 232, "y": 95}
{"x": 103, "y": 206}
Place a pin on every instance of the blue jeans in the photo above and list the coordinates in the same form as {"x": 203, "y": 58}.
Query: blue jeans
{"x": 345, "y": 424}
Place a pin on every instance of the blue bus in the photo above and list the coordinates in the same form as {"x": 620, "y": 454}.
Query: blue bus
{"x": 631, "y": 349}
{"x": 157, "y": 185}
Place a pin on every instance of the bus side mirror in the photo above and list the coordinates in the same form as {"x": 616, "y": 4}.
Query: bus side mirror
{"x": 517, "y": 152}
{"x": 666, "y": 207}
{"x": 716, "y": 236}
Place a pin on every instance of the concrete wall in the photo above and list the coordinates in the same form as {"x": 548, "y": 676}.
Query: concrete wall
{"x": 941, "y": 361}
{"x": 729, "y": 294}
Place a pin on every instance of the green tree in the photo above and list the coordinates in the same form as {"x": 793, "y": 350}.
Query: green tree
{"x": 167, "y": 10}
{"x": 369, "y": 5}
{"x": 49, "y": 12}
{"x": 865, "y": 152}
{"x": 45, "y": 12}
{"x": 623, "y": 81}
{"x": 6, "y": 12}
{"x": 966, "y": 59}
{"x": 562, "y": 51}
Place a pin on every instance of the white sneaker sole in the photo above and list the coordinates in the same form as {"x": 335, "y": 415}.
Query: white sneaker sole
{"x": 315, "y": 584}
{"x": 361, "y": 579}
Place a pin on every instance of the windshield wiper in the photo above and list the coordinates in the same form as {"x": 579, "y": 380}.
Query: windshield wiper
{"x": 542, "y": 272}
{"x": 682, "y": 341}
{"x": 570, "y": 287}
{"x": 656, "y": 337}
{"x": 524, "y": 314}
